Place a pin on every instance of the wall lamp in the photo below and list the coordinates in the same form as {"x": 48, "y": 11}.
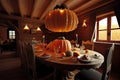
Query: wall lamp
{"x": 26, "y": 27}
{"x": 31, "y": 29}
{"x": 84, "y": 23}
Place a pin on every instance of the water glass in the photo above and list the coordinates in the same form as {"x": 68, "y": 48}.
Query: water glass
{"x": 77, "y": 45}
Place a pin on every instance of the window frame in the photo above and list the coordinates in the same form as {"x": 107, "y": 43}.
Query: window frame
{"x": 11, "y": 35}
{"x": 108, "y": 16}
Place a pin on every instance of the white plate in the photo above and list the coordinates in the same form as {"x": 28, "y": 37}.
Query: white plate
{"x": 85, "y": 61}
{"x": 96, "y": 56}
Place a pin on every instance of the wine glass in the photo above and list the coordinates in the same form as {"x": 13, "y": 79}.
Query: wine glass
{"x": 82, "y": 49}
{"x": 77, "y": 45}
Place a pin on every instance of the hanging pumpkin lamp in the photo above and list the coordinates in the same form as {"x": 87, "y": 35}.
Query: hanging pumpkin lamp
{"x": 61, "y": 20}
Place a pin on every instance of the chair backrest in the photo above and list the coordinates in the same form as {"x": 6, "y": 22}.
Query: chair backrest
{"x": 30, "y": 54}
{"x": 23, "y": 55}
{"x": 88, "y": 44}
{"x": 108, "y": 63}
{"x": 31, "y": 60}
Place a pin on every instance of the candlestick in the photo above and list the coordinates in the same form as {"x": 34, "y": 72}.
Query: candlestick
{"x": 43, "y": 37}
{"x": 76, "y": 38}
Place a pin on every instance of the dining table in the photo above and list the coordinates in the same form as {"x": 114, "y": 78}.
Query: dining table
{"x": 65, "y": 64}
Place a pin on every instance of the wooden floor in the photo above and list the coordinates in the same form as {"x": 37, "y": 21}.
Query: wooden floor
{"x": 10, "y": 69}
{"x": 13, "y": 74}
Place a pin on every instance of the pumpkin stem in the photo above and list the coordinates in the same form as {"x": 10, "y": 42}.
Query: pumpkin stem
{"x": 62, "y": 37}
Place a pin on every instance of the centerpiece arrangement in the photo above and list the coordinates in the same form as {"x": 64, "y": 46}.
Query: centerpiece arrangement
{"x": 63, "y": 45}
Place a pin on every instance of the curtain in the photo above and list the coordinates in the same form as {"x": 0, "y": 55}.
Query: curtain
{"x": 93, "y": 24}
{"x": 117, "y": 10}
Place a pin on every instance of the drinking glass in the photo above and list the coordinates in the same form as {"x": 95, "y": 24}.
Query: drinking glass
{"x": 82, "y": 49}
{"x": 77, "y": 45}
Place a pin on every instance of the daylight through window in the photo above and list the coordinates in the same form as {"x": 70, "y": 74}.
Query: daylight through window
{"x": 11, "y": 34}
{"x": 108, "y": 28}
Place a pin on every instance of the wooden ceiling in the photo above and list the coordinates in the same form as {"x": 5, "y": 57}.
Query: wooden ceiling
{"x": 37, "y": 9}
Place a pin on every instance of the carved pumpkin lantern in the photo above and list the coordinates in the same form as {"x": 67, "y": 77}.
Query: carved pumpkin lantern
{"x": 61, "y": 20}
{"x": 63, "y": 43}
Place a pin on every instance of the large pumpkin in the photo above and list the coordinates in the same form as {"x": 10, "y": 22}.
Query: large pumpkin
{"x": 61, "y": 20}
{"x": 63, "y": 44}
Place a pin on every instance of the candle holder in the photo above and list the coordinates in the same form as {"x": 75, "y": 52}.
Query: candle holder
{"x": 77, "y": 45}
{"x": 43, "y": 38}
{"x": 76, "y": 38}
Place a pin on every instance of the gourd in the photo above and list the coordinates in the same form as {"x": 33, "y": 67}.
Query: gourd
{"x": 63, "y": 44}
{"x": 61, "y": 20}
{"x": 68, "y": 53}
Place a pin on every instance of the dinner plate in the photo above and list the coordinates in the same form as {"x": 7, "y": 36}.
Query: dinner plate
{"x": 45, "y": 56}
{"x": 96, "y": 56}
{"x": 85, "y": 61}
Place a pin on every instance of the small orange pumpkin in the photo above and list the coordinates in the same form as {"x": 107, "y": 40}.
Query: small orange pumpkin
{"x": 63, "y": 44}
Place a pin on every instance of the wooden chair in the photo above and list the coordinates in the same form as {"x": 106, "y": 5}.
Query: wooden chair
{"x": 88, "y": 44}
{"x": 92, "y": 74}
{"x": 40, "y": 72}
{"x": 23, "y": 56}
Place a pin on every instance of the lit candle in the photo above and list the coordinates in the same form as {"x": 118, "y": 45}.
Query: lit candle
{"x": 76, "y": 38}
{"x": 43, "y": 37}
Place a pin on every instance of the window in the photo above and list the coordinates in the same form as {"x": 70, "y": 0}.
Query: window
{"x": 107, "y": 28}
{"x": 11, "y": 34}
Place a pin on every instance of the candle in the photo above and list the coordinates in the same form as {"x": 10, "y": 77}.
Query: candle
{"x": 76, "y": 38}
{"x": 43, "y": 37}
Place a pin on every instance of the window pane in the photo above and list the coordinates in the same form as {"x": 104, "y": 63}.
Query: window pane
{"x": 13, "y": 37}
{"x": 103, "y": 24}
{"x": 10, "y": 32}
{"x": 13, "y": 32}
{"x": 10, "y": 37}
{"x": 114, "y": 23}
{"x": 115, "y": 35}
{"x": 102, "y": 35}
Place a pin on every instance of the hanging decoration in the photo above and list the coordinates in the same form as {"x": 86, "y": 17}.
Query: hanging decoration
{"x": 61, "y": 20}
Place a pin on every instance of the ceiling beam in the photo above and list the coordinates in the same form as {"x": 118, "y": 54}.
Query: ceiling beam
{"x": 26, "y": 7}
{"x": 38, "y": 5}
{"x": 97, "y": 5}
{"x": 72, "y": 3}
{"x": 86, "y": 5}
{"x": 7, "y": 6}
{"x": 50, "y": 7}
